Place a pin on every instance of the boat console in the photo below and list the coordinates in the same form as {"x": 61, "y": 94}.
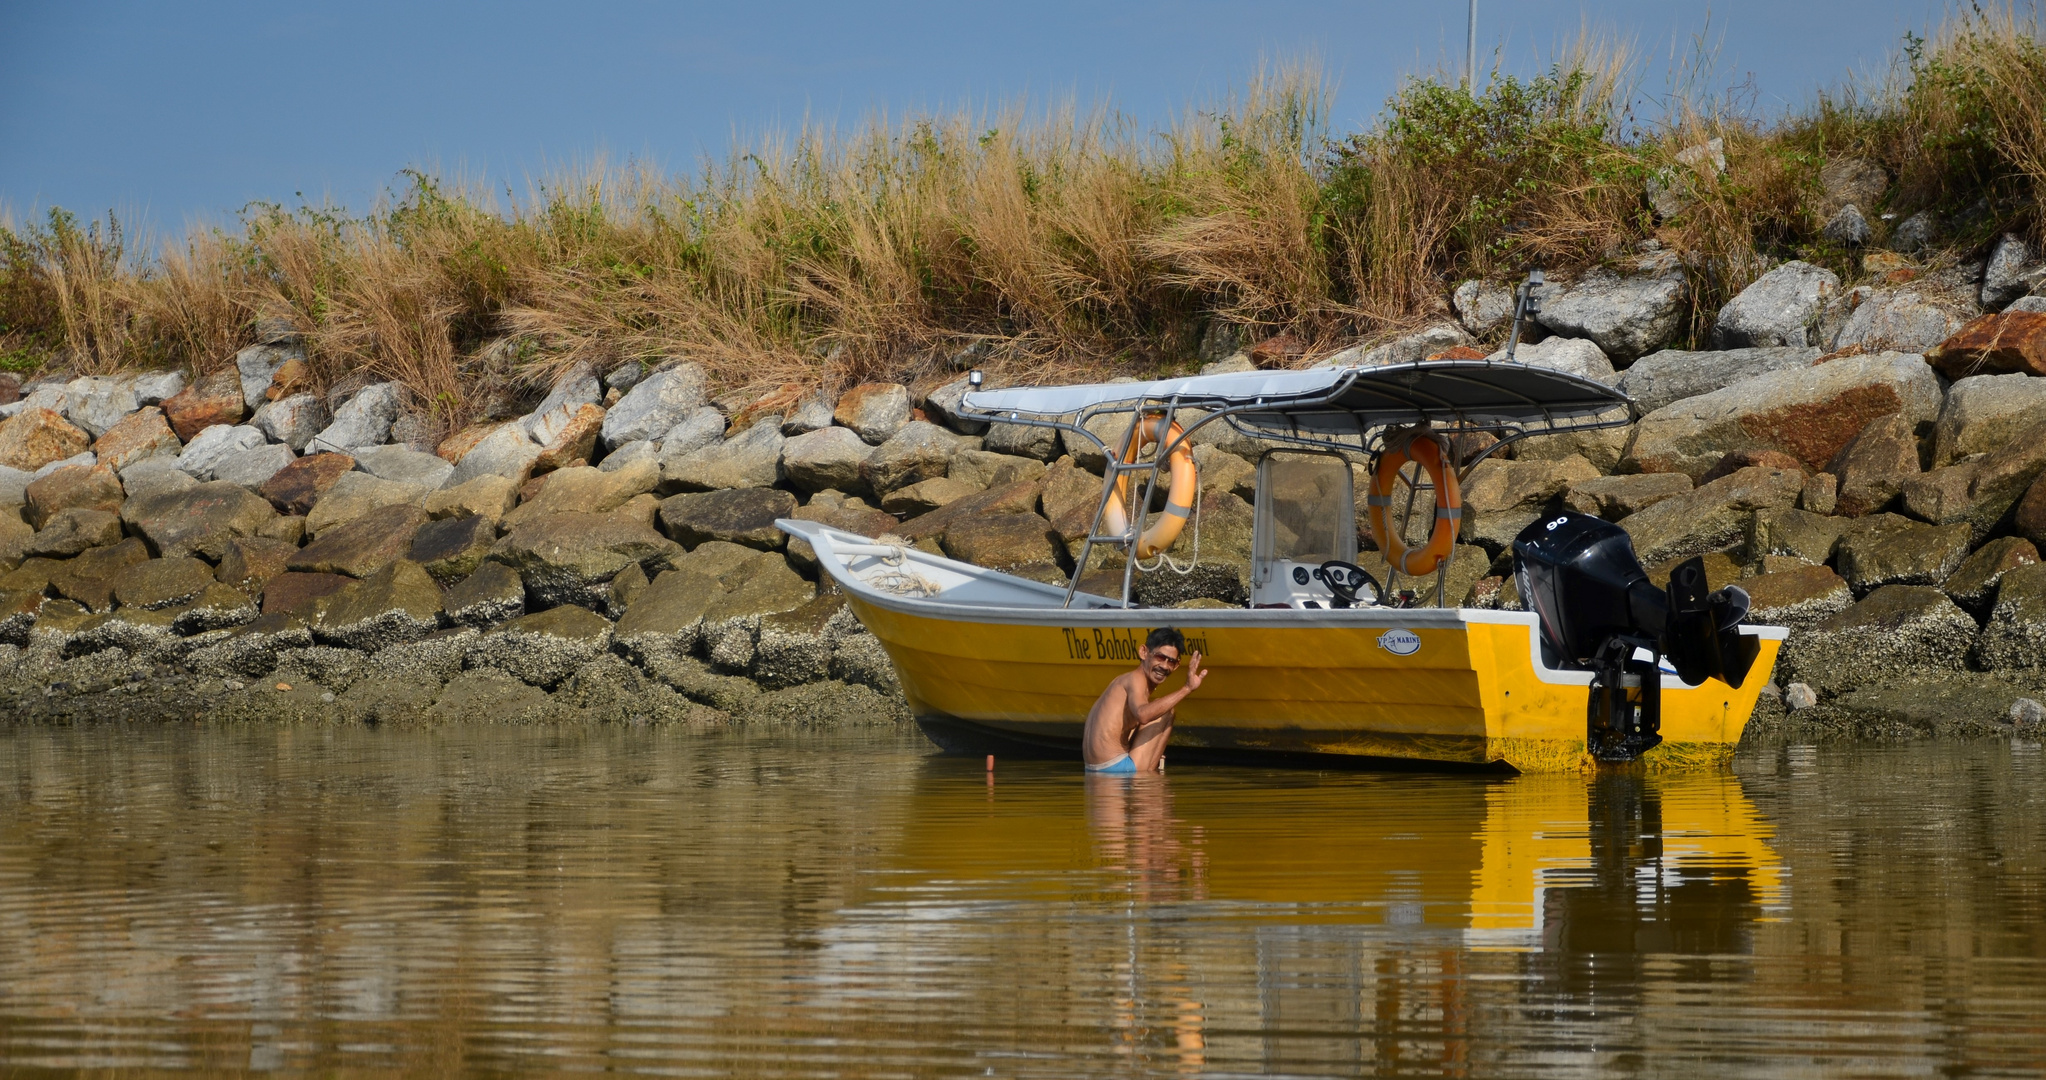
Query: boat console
{"x": 1304, "y": 532}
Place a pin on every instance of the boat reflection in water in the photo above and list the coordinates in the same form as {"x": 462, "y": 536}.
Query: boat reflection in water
{"x": 1237, "y": 916}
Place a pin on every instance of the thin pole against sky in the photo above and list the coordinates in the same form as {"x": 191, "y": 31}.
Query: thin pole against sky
{"x": 1470, "y": 55}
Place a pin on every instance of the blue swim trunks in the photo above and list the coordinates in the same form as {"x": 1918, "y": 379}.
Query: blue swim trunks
{"x": 1121, "y": 766}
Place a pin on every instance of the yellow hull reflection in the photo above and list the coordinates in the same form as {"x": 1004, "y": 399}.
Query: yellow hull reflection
{"x": 1502, "y": 862}
{"x": 1454, "y": 687}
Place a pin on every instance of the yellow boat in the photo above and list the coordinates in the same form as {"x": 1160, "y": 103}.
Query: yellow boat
{"x": 1319, "y": 668}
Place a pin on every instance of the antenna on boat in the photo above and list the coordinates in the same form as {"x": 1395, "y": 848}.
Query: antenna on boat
{"x": 1527, "y": 303}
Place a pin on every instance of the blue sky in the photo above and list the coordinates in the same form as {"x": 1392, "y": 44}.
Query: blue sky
{"x": 172, "y": 114}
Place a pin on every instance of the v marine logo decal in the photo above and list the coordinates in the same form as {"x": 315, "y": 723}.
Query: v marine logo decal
{"x": 1400, "y": 642}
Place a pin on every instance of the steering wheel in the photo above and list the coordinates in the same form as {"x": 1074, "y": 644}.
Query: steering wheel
{"x": 1346, "y": 580}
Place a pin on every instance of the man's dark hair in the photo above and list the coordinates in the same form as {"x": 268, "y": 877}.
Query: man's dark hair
{"x": 1166, "y": 635}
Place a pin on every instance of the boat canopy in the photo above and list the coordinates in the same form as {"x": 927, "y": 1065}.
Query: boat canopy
{"x": 1334, "y": 401}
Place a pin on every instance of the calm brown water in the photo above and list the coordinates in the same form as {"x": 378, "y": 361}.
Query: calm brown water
{"x": 509, "y": 900}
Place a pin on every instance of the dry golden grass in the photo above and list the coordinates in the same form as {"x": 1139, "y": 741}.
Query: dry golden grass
{"x": 1049, "y": 245}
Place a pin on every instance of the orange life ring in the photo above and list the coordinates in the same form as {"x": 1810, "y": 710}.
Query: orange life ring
{"x": 1425, "y": 450}
{"x": 1178, "y": 501}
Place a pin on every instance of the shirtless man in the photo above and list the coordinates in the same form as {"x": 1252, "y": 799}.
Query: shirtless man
{"x": 1127, "y": 730}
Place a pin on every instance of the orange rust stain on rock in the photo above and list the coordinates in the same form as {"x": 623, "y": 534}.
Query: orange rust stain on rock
{"x": 1814, "y": 434}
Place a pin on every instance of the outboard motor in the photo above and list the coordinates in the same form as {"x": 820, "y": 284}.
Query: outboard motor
{"x": 1599, "y": 612}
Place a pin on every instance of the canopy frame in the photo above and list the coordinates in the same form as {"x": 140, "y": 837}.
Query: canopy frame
{"x": 1329, "y": 426}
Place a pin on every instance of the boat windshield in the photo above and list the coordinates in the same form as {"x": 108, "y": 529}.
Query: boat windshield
{"x": 1306, "y": 512}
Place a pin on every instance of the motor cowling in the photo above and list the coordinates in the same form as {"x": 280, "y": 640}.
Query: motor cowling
{"x": 1598, "y": 609}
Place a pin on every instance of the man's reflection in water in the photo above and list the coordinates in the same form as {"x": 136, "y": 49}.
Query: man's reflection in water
{"x": 1634, "y": 901}
{"x": 1163, "y": 861}
{"x": 1136, "y": 832}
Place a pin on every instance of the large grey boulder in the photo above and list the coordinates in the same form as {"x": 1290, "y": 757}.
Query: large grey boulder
{"x": 1875, "y": 467}
{"x": 1904, "y": 320}
{"x": 1809, "y": 413}
{"x": 1974, "y": 586}
{"x": 1626, "y": 315}
{"x": 662, "y": 622}
{"x": 1485, "y": 308}
{"x": 1917, "y": 232}
{"x": 826, "y": 458}
{"x": 1847, "y": 227}
{"x": 1615, "y": 497}
{"x": 1796, "y": 598}
{"x": 13, "y": 482}
{"x": 202, "y": 518}
{"x": 577, "y": 388}
{"x": 363, "y": 546}
{"x": 918, "y": 451}
{"x": 582, "y": 489}
{"x": 633, "y": 452}
{"x": 654, "y": 405}
{"x": 2015, "y": 637}
{"x": 1111, "y": 429}
{"x": 810, "y": 413}
{"x": 1886, "y": 549}
{"x": 397, "y": 604}
{"x": 356, "y": 494}
{"x": 875, "y": 410}
{"x": 257, "y": 365}
{"x": 1713, "y": 517}
{"x": 1896, "y": 632}
{"x": 571, "y": 558}
{"x": 85, "y": 458}
{"x": 794, "y": 647}
{"x": 1497, "y": 485}
{"x": 697, "y": 429}
{"x": 735, "y": 515}
{"x": 752, "y": 458}
{"x": 1781, "y": 308}
{"x": 294, "y": 421}
{"x": 627, "y": 375}
{"x": 150, "y": 476}
{"x": 1042, "y": 443}
{"x": 96, "y": 403}
{"x": 1404, "y": 350}
{"x": 212, "y": 446}
{"x": 1672, "y": 375}
{"x": 490, "y": 595}
{"x": 162, "y": 583}
{"x": 507, "y": 452}
{"x": 2012, "y": 272}
{"x": 732, "y": 620}
{"x": 544, "y": 648}
{"x": 1574, "y": 356}
{"x": 943, "y": 405}
{"x": 404, "y": 465}
{"x": 140, "y": 436}
{"x": 1799, "y": 534}
{"x": 1984, "y": 412}
{"x": 983, "y": 469}
{"x": 1979, "y": 491}
{"x": 364, "y": 421}
{"x": 157, "y": 387}
{"x": 252, "y": 467}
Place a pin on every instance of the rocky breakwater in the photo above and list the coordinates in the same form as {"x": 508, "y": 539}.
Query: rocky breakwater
{"x": 246, "y": 547}
{"x": 250, "y": 546}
